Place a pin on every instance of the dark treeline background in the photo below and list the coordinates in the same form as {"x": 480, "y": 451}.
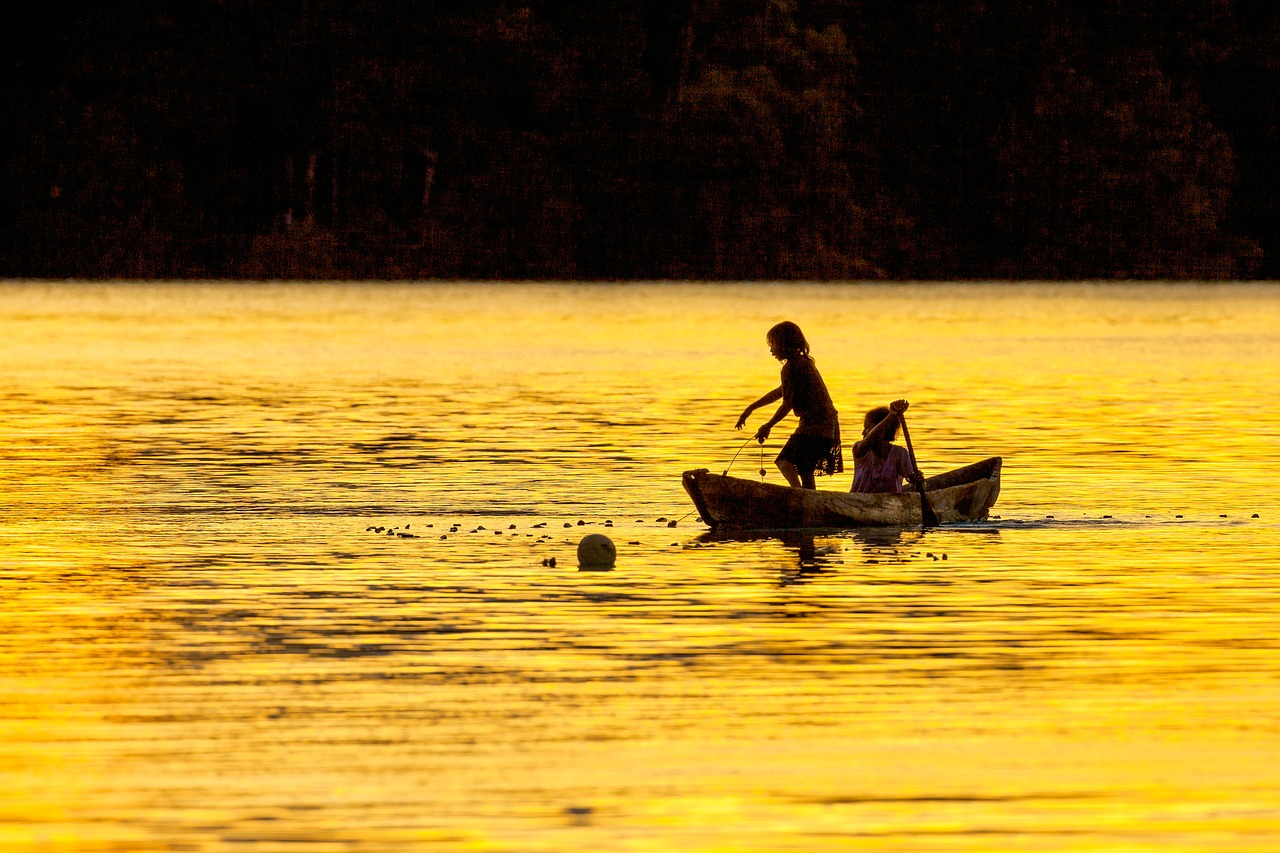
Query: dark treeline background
{"x": 646, "y": 139}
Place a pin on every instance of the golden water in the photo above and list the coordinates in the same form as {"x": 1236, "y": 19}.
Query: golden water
{"x": 203, "y": 647}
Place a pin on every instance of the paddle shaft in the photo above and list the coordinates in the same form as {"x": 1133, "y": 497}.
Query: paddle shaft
{"x": 928, "y": 518}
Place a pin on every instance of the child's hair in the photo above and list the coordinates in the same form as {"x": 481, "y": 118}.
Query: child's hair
{"x": 875, "y": 416}
{"x": 788, "y": 337}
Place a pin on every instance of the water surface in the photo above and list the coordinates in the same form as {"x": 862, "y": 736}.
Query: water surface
{"x": 203, "y": 646}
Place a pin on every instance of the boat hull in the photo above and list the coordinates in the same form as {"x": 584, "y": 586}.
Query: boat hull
{"x": 965, "y": 494}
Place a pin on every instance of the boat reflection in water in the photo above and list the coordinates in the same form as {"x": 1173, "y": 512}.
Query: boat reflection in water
{"x": 813, "y": 552}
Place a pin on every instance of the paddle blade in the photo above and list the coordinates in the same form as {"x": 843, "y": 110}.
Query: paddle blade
{"x": 928, "y": 518}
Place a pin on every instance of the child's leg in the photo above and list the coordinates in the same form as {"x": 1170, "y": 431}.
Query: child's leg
{"x": 806, "y": 479}
{"x": 789, "y": 472}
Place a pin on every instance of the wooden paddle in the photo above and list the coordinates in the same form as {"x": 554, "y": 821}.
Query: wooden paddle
{"x": 928, "y": 518}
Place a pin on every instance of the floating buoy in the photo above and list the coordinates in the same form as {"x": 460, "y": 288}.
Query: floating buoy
{"x": 597, "y": 551}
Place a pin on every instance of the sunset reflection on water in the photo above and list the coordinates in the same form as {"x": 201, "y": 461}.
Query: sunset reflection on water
{"x": 203, "y": 645}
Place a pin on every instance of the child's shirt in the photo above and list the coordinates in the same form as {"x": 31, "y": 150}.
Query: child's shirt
{"x": 872, "y": 473}
{"x": 805, "y": 392}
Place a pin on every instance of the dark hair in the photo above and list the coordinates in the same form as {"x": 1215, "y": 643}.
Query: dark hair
{"x": 878, "y": 414}
{"x": 788, "y": 337}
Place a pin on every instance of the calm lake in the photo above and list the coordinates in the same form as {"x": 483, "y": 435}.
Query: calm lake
{"x": 204, "y": 647}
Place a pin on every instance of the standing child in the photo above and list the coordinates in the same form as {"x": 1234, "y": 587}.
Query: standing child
{"x": 879, "y": 465}
{"x": 815, "y": 445}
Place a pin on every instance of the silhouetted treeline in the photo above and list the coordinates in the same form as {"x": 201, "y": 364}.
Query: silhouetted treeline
{"x": 710, "y": 139}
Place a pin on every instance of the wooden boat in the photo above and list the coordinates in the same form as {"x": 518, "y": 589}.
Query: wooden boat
{"x": 965, "y": 494}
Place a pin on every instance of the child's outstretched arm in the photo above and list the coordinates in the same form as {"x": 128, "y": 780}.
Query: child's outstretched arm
{"x": 772, "y": 396}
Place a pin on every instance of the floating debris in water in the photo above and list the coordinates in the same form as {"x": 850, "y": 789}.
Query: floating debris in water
{"x": 581, "y": 522}
{"x": 660, "y": 520}
{"x": 671, "y": 523}
{"x": 1177, "y": 516}
{"x": 1255, "y": 515}
{"x": 567, "y": 524}
{"x": 579, "y": 815}
{"x": 549, "y": 561}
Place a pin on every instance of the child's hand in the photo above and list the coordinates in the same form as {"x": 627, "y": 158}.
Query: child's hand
{"x": 742, "y": 420}
{"x": 762, "y": 433}
{"x": 898, "y": 406}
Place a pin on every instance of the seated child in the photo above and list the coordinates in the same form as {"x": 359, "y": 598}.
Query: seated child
{"x": 878, "y": 465}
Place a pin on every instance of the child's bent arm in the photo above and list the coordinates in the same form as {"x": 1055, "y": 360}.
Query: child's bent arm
{"x": 763, "y": 432}
{"x": 775, "y": 394}
{"x": 861, "y": 447}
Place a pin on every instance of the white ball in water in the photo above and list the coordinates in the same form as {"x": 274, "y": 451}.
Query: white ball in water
{"x": 596, "y": 549}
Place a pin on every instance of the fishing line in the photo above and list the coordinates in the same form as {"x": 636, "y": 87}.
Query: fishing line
{"x": 740, "y": 449}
